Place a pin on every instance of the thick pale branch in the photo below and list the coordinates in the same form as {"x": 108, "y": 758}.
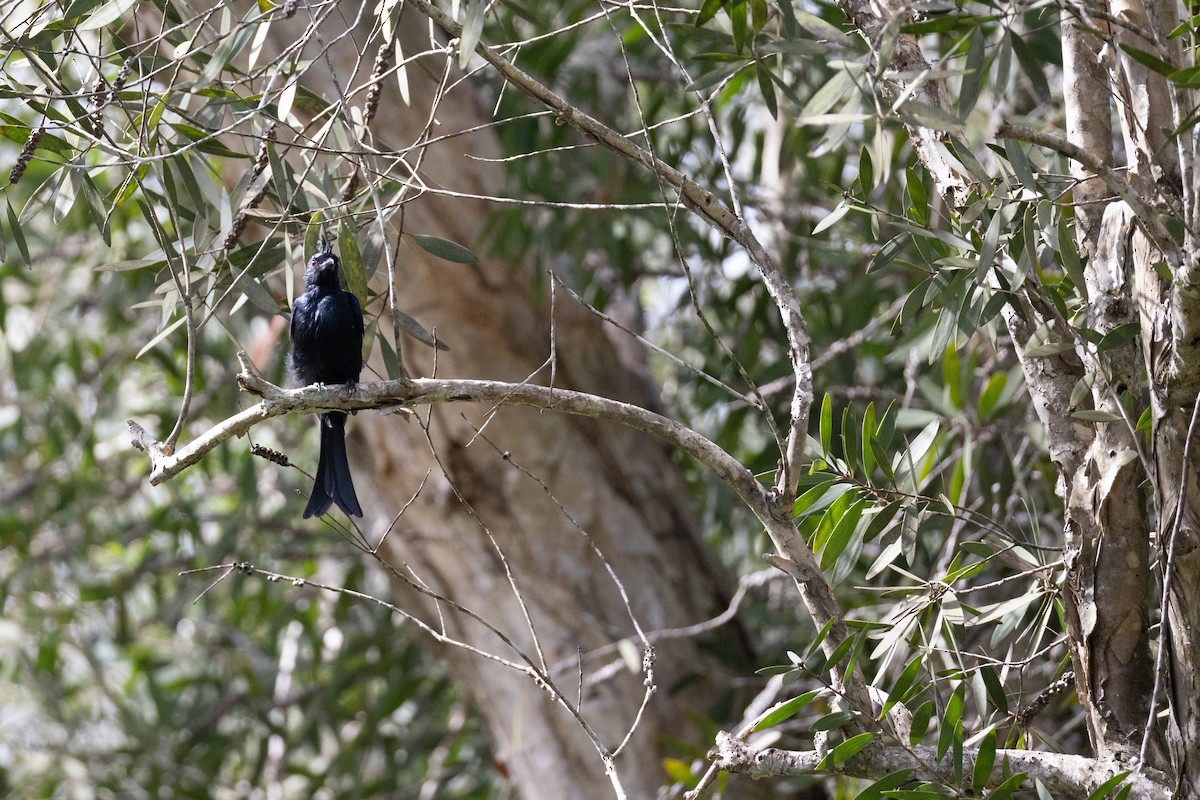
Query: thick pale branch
{"x": 766, "y": 504}
{"x": 388, "y": 394}
{"x": 1064, "y": 775}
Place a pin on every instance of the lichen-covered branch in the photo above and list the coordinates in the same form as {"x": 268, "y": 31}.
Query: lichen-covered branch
{"x": 1064, "y": 775}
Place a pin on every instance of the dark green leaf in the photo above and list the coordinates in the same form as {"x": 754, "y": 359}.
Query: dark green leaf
{"x": 832, "y": 721}
{"x": 352, "y": 264}
{"x": 975, "y": 72}
{"x": 995, "y": 690}
{"x": 985, "y": 758}
{"x": 1155, "y": 63}
{"x": 1118, "y": 336}
{"x": 445, "y": 249}
{"x": 417, "y": 331}
{"x": 882, "y": 787}
{"x": 950, "y": 724}
{"x": 920, "y": 722}
{"x": 1009, "y": 787}
{"x": 1103, "y": 790}
{"x": 767, "y": 88}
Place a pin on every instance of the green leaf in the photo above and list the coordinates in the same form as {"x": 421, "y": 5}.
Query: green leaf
{"x": 1009, "y": 787}
{"x": 950, "y": 724}
{"x": 866, "y": 175}
{"x": 991, "y": 241}
{"x": 899, "y": 690}
{"x": 1118, "y": 336}
{"x": 94, "y": 204}
{"x": 974, "y": 73}
{"x": 417, "y": 331}
{"x": 391, "y": 363}
{"x": 818, "y": 497}
{"x": 984, "y": 760}
{"x": 1070, "y": 257}
{"x": 840, "y": 536}
{"x": 312, "y": 235}
{"x": 832, "y": 721}
{"x": 826, "y": 424}
{"x": 18, "y": 234}
{"x": 1104, "y": 789}
{"x": 884, "y": 785}
{"x": 785, "y": 710}
{"x": 736, "y": 9}
{"x": 888, "y": 251}
{"x": 1155, "y": 63}
{"x": 845, "y": 751}
{"x": 920, "y": 722}
{"x": 708, "y": 10}
{"x": 767, "y": 87}
{"x": 1095, "y": 415}
{"x": 995, "y": 690}
{"x": 445, "y": 249}
{"x": 868, "y": 433}
{"x": 711, "y": 79}
{"x": 352, "y": 264}
{"x": 1031, "y": 65}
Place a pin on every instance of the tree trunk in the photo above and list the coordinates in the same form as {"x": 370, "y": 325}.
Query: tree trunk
{"x": 520, "y": 492}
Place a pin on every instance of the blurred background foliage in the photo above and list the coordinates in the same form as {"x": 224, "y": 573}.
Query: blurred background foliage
{"x": 122, "y": 678}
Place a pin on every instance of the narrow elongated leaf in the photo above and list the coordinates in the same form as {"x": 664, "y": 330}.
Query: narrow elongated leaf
{"x": 107, "y": 14}
{"x": 708, "y": 10}
{"x": 892, "y": 780}
{"x": 352, "y": 263}
{"x": 995, "y": 690}
{"x": 840, "y": 535}
{"x": 832, "y": 217}
{"x": 1103, "y": 790}
{"x": 920, "y": 722}
{"x": 984, "y": 760}
{"x": 785, "y": 710}
{"x": 1150, "y": 60}
{"x": 845, "y": 751}
{"x": 899, "y": 690}
{"x": 951, "y": 722}
{"x": 972, "y": 82}
{"x": 767, "y": 87}
{"x": 472, "y": 29}
{"x": 1009, "y": 787}
{"x": 826, "y": 423}
{"x": 418, "y": 332}
{"x": 832, "y": 721}
{"x": 445, "y": 249}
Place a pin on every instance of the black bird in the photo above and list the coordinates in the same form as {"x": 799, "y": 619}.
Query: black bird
{"x": 327, "y": 336}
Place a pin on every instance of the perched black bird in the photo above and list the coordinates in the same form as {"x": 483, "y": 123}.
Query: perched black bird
{"x": 327, "y": 336}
